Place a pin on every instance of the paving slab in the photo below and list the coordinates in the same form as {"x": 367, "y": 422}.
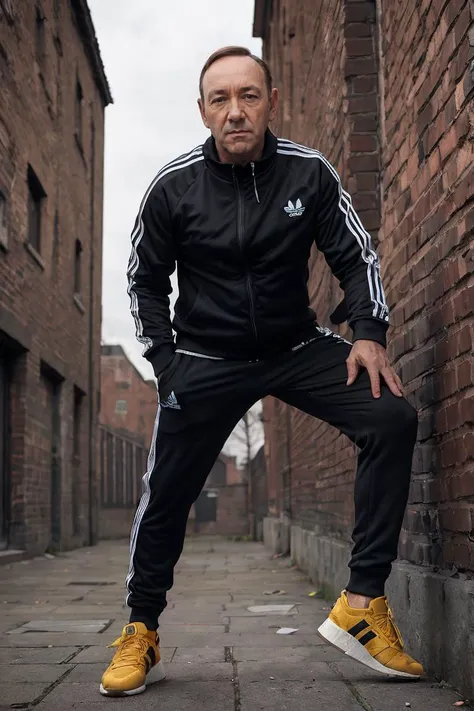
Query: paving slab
{"x": 104, "y": 655}
{"x": 389, "y": 694}
{"x": 287, "y": 656}
{"x": 280, "y": 671}
{"x": 207, "y": 632}
{"x": 58, "y": 625}
{"x": 170, "y": 695}
{"x": 182, "y": 671}
{"x": 37, "y": 656}
{"x": 296, "y": 696}
{"x": 264, "y": 625}
{"x": 21, "y": 692}
{"x": 56, "y": 639}
{"x": 40, "y": 673}
{"x": 199, "y": 655}
{"x": 247, "y": 639}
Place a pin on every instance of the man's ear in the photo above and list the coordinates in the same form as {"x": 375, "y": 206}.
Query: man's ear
{"x": 202, "y": 111}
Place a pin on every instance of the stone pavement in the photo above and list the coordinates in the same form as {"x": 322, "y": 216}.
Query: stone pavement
{"x": 219, "y": 655}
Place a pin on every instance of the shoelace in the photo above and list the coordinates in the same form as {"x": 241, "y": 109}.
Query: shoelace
{"x": 389, "y": 627}
{"x": 395, "y": 627}
{"x": 127, "y": 653}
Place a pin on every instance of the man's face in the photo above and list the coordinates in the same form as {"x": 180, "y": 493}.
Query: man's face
{"x": 237, "y": 108}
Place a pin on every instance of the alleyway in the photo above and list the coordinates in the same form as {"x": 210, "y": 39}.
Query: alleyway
{"x": 219, "y": 655}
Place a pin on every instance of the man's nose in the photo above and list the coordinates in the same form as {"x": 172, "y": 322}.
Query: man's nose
{"x": 235, "y": 111}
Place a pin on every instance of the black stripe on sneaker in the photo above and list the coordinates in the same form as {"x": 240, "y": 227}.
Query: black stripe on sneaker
{"x": 147, "y": 664}
{"x": 367, "y": 637}
{"x": 362, "y": 625}
{"x": 152, "y": 655}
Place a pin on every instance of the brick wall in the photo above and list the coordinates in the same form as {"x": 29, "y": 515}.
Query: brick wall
{"x": 127, "y": 401}
{"x": 387, "y": 99}
{"x": 127, "y": 416}
{"x": 325, "y": 64}
{"x": 426, "y": 246}
{"x": 232, "y": 506}
{"x": 232, "y": 514}
{"x": 45, "y": 333}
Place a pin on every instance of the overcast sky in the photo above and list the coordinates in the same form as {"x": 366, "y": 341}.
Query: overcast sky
{"x": 153, "y": 52}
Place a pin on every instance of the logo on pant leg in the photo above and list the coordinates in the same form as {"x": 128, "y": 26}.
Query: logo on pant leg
{"x": 171, "y": 402}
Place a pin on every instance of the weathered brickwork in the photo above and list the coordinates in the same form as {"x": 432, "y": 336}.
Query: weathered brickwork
{"x": 387, "y": 96}
{"x": 53, "y": 95}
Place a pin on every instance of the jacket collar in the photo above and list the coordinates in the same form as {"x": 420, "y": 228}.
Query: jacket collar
{"x": 225, "y": 170}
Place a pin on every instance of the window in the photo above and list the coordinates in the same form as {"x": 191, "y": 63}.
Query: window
{"x": 77, "y": 267}
{"x": 121, "y": 407}
{"x": 78, "y": 115}
{"x": 121, "y": 466}
{"x": 36, "y": 195}
{"x": 3, "y": 221}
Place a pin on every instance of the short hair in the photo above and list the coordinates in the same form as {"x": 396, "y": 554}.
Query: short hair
{"x": 236, "y": 52}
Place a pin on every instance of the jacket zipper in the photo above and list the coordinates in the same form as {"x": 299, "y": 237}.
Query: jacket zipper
{"x": 240, "y": 229}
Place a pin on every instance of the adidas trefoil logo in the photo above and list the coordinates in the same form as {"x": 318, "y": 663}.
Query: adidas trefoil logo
{"x": 171, "y": 402}
{"x": 294, "y": 210}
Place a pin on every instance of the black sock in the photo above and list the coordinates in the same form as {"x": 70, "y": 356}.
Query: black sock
{"x": 145, "y": 615}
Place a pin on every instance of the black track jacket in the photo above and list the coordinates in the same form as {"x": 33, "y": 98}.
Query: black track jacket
{"x": 241, "y": 238}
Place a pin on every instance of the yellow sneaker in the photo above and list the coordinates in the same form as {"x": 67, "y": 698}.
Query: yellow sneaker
{"x": 370, "y": 636}
{"x": 138, "y": 654}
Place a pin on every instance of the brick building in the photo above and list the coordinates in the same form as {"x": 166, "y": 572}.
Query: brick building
{"x": 128, "y": 406}
{"x": 384, "y": 89}
{"x": 222, "y": 508}
{"x": 53, "y": 95}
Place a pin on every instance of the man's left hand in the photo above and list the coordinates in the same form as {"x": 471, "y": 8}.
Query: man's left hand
{"x": 373, "y": 357}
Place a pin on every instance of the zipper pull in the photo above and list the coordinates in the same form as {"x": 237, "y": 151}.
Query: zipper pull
{"x": 255, "y": 182}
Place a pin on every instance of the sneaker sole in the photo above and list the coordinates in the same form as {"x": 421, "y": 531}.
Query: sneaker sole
{"x": 155, "y": 675}
{"x": 348, "y": 644}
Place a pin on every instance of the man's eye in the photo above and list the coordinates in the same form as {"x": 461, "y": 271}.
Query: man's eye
{"x": 218, "y": 100}
{"x": 250, "y": 96}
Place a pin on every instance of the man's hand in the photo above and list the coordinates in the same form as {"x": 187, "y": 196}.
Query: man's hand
{"x": 373, "y": 357}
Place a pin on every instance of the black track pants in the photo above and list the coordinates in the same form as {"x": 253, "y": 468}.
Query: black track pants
{"x": 202, "y": 400}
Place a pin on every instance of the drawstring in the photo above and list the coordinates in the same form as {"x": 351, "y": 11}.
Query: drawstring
{"x": 255, "y": 182}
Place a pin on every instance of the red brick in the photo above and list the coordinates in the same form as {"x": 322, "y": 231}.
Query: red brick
{"x": 458, "y": 554}
{"x": 363, "y": 144}
{"x": 357, "y": 47}
{"x": 360, "y": 12}
{"x": 463, "y": 485}
{"x": 363, "y": 163}
{"x": 469, "y": 444}
{"x": 424, "y": 171}
{"x": 364, "y": 124}
{"x": 37, "y": 119}
{"x": 365, "y": 202}
{"x": 362, "y": 104}
{"x": 358, "y": 29}
{"x": 360, "y": 66}
{"x": 364, "y": 85}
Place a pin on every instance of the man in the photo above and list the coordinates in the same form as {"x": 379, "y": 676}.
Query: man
{"x": 238, "y": 216}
